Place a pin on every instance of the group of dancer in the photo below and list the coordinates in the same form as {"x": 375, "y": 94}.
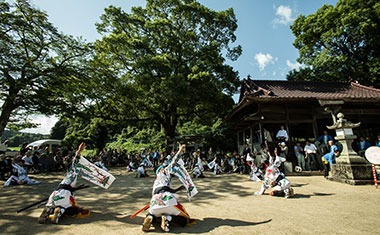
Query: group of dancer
{"x": 164, "y": 207}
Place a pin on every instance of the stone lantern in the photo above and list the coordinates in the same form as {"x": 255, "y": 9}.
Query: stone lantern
{"x": 349, "y": 167}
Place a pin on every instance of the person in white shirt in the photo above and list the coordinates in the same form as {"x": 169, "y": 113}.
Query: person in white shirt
{"x": 282, "y": 134}
{"x": 28, "y": 161}
{"x": 299, "y": 153}
{"x": 311, "y": 156}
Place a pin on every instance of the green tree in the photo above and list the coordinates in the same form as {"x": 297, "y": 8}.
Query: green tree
{"x": 39, "y": 66}
{"x": 339, "y": 43}
{"x": 170, "y": 60}
{"x": 58, "y": 131}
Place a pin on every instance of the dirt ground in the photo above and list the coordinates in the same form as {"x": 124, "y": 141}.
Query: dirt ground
{"x": 224, "y": 205}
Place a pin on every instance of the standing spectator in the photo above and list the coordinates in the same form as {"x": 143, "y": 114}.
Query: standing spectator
{"x": 324, "y": 141}
{"x": 283, "y": 150}
{"x": 329, "y": 158}
{"x": 267, "y": 138}
{"x": 246, "y": 150}
{"x": 155, "y": 157}
{"x": 362, "y": 146}
{"x": 311, "y": 156}
{"x": 282, "y": 134}
{"x": 378, "y": 141}
{"x": 299, "y": 153}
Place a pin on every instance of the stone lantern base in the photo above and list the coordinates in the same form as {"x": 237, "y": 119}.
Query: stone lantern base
{"x": 354, "y": 174}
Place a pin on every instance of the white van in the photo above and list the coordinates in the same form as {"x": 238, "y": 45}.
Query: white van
{"x": 50, "y": 142}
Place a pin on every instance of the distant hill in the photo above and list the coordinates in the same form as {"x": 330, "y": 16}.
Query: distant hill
{"x": 16, "y": 139}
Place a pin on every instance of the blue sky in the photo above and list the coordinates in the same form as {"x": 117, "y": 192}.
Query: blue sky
{"x": 263, "y": 31}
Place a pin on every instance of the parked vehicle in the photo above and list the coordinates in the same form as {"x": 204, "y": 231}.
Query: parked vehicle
{"x": 52, "y": 143}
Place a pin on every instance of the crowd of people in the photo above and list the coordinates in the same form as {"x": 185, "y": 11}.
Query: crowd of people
{"x": 307, "y": 156}
{"x": 266, "y": 165}
{"x": 34, "y": 160}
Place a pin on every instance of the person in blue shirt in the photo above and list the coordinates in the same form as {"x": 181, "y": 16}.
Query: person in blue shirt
{"x": 378, "y": 141}
{"x": 324, "y": 141}
{"x": 362, "y": 146}
{"x": 329, "y": 158}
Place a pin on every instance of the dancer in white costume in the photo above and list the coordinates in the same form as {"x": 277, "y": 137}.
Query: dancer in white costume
{"x": 215, "y": 167}
{"x": 19, "y": 175}
{"x": 256, "y": 174}
{"x": 276, "y": 180}
{"x": 164, "y": 203}
{"x": 198, "y": 168}
{"x": 62, "y": 201}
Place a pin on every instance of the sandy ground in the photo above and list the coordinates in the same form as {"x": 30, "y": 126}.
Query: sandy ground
{"x": 224, "y": 205}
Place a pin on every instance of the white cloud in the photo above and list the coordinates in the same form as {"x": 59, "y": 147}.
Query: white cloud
{"x": 263, "y": 60}
{"x": 46, "y": 123}
{"x": 283, "y": 15}
{"x": 292, "y": 66}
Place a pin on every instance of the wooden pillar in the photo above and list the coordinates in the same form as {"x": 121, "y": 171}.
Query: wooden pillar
{"x": 314, "y": 123}
{"x": 287, "y": 122}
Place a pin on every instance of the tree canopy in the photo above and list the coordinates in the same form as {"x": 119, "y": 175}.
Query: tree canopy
{"x": 39, "y": 66}
{"x": 339, "y": 43}
{"x": 169, "y": 60}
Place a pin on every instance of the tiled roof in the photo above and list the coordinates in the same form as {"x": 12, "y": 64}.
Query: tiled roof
{"x": 305, "y": 89}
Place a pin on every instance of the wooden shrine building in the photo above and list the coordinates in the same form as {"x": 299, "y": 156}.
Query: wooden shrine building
{"x": 304, "y": 108}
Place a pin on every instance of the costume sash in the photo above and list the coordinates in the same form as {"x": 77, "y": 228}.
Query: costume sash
{"x": 180, "y": 171}
{"x": 94, "y": 174}
{"x": 211, "y": 164}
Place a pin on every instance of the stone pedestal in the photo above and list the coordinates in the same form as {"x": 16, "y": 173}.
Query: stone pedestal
{"x": 350, "y": 168}
{"x": 354, "y": 174}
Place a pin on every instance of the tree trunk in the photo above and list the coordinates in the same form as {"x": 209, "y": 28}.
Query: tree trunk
{"x": 169, "y": 124}
{"x": 6, "y": 112}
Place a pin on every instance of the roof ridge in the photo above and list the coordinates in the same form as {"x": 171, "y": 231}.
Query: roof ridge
{"x": 364, "y": 87}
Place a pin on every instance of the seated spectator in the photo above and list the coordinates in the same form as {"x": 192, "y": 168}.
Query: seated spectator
{"x": 36, "y": 162}
{"x": 28, "y": 161}
{"x": 101, "y": 164}
{"x": 141, "y": 172}
{"x": 5, "y": 167}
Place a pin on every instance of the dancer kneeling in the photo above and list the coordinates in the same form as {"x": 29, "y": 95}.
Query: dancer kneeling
{"x": 62, "y": 201}
{"x": 276, "y": 180}
{"x": 19, "y": 174}
{"x": 164, "y": 203}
